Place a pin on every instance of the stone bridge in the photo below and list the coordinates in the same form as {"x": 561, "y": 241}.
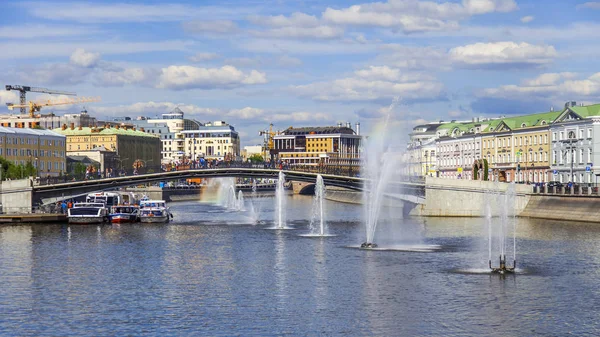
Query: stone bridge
{"x": 44, "y": 194}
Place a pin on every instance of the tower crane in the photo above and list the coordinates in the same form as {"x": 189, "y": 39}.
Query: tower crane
{"x": 36, "y": 106}
{"x": 268, "y": 143}
{"x": 23, "y": 89}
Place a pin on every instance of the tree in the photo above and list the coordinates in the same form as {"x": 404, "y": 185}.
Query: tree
{"x": 256, "y": 158}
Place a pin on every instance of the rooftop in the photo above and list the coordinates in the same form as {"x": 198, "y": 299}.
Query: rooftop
{"x": 27, "y": 131}
{"x": 291, "y": 131}
{"x": 103, "y": 131}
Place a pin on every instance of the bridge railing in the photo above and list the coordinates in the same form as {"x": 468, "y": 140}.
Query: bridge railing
{"x": 348, "y": 171}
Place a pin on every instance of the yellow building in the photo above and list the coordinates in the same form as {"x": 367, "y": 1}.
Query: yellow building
{"x": 129, "y": 144}
{"x": 517, "y": 148}
{"x": 312, "y": 146}
{"x": 43, "y": 148}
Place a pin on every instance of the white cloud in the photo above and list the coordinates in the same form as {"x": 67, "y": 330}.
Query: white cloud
{"x": 215, "y": 26}
{"x": 283, "y": 61}
{"x": 246, "y": 113}
{"x": 502, "y": 53}
{"x": 548, "y": 79}
{"x": 414, "y": 15}
{"x": 188, "y": 77}
{"x": 300, "y": 116}
{"x": 199, "y": 57}
{"x": 296, "y": 19}
{"x": 55, "y": 73}
{"x": 551, "y": 85}
{"x": 527, "y": 19}
{"x": 152, "y": 108}
{"x": 84, "y": 59}
{"x": 8, "y": 97}
{"x": 414, "y": 57}
{"x": 126, "y": 76}
{"x": 373, "y": 84}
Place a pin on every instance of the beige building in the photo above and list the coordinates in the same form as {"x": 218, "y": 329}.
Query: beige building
{"x": 128, "y": 144}
{"x": 335, "y": 146}
{"x": 43, "y": 148}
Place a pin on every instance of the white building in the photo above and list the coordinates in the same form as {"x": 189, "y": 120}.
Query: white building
{"x": 212, "y": 141}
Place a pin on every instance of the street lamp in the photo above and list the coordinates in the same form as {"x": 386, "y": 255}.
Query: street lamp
{"x": 571, "y": 138}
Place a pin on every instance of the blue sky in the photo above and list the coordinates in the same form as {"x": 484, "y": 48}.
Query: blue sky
{"x": 301, "y": 63}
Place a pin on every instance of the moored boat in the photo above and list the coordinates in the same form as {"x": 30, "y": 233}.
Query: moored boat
{"x": 152, "y": 211}
{"x": 87, "y": 213}
{"x": 124, "y": 214}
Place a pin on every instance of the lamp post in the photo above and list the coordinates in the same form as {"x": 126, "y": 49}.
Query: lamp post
{"x": 426, "y": 163}
{"x": 571, "y": 139}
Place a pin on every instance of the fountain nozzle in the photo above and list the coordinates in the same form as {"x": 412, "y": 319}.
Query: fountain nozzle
{"x": 366, "y": 245}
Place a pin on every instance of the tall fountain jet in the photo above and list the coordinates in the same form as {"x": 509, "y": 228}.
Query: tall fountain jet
{"x": 506, "y": 203}
{"x": 280, "y": 201}
{"x": 378, "y": 166}
{"x": 319, "y": 209}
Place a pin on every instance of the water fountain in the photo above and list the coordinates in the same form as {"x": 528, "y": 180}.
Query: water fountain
{"x": 378, "y": 166}
{"x": 239, "y": 206}
{"x": 280, "y": 202}
{"x": 317, "y": 221}
{"x": 506, "y": 203}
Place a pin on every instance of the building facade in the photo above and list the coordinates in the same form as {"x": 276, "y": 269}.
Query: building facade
{"x": 574, "y": 150}
{"x": 339, "y": 146}
{"x": 43, "y": 148}
{"x": 129, "y": 144}
{"x": 212, "y": 141}
{"x": 48, "y": 121}
{"x": 169, "y": 129}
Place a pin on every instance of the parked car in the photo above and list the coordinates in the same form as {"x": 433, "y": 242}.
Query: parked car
{"x": 555, "y": 184}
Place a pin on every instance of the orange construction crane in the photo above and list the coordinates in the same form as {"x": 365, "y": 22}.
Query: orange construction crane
{"x": 36, "y": 106}
{"x": 23, "y": 89}
{"x": 268, "y": 143}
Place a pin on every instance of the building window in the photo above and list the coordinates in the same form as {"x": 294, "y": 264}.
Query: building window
{"x": 589, "y": 133}
{"x": 581, "y": 133}
{"x": 561, "y": 135}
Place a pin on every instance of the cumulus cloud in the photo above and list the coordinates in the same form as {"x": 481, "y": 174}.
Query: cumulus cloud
{"x": 527, "y": 19}
{"x": 549, "y": 85}
{"x": 188, "y": 77}
{"x": 215, "y": 26}
{"x": 373, "y": 84}
{"x": 295, "y": 26}
{"x": 414, "y": 15}
{"x": 199, "y": 57}
{"x": 125, "y": 76}
{"x": 8, "y": 97}
{"x": 502, "y": 53}
{"x": 414, "y": 57}
{"x": 152, "y": 108}
{"x": 246, "y": 113}
{"x": 85, "y": 59}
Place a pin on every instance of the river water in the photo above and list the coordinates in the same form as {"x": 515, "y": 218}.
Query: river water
{"x": 211, "y": 272}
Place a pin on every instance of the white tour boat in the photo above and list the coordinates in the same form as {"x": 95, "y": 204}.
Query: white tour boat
{"x": 154, "y": 211}
{"x": 87, "y": 213}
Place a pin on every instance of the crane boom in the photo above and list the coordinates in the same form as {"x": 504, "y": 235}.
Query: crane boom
{"x": 23, "y": 89}
{"x": 36, "y": 106}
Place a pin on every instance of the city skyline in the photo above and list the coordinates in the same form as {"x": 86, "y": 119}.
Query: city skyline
{"x": 305, "y": 63}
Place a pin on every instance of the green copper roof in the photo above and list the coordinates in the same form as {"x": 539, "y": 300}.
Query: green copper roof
{"x": 531, "y": 120}
{"x": 587, "y": 111}
{"x": 104, "y": 132}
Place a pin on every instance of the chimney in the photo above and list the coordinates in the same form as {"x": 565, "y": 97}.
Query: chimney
{"x": 80, "y": 128}
{"x": 357, "y": 129}
{"x": 551, "y": 108}
{"x": 142, "y": 129}
{"x": 72, "y": 126}
{"x": 118, "y": 127}
{"x": 64, "y": 127}
{"x": 348, "y": 125}
{"x": 133, "y": 129}
{"x": 339, "y": 125}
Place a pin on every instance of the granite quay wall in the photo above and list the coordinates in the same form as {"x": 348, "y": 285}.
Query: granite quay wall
{"x": 17, "y": 196}
{"x": 563, "y": 207}
{"x": 457, "y": 197}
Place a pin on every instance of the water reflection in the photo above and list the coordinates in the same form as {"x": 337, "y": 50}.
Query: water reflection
{"x": 203, "y": 276}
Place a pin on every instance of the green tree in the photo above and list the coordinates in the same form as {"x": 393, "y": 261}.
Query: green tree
{"x": 78, "y": 170}
{"x": 256, "y": 158}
